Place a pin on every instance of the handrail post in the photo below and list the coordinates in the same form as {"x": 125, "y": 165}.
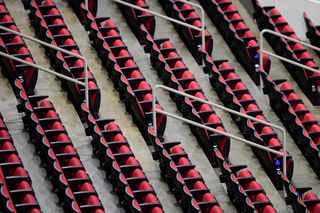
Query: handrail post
{"x": 85, "y": 84}
{"x": 155, "y": 111}
{"x": 261, "y": 63}
{"x": 284, "y": 157}
{"x": 265, "y": 31}
{"x": 202, "y": 29}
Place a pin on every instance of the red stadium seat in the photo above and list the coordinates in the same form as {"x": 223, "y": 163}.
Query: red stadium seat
{"x": 167, "y": 44}
{"x": 109, "y": 23}
{"x": 193, "y": 85}
{"x": 112, "y": 33}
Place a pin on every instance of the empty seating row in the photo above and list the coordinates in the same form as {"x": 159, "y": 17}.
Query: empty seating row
{"x": 58, "y": 155}
{"x": 51, "y": 28}
{"x": 241, "y": 40}
{"x": 134, "y": 89}
{"x": 184, "y": 12}
{"x": 15, "y": 46}
{"x": 313, "y": 32}
{"x": 165, "y": 53}
{"x": 175, "y": 74}
{"x": 235, "y": 95}
{"x": 270, "y": 18}
{"x": 237, "y": 188}
{"x": 183, "y": 179}
{"x": 294, "y": 114}
{"x": 255, "y": 201}
{"x": 16, "y": 193}
{"x": 123, "y": 169}
{"x": 301, "y": 199}
{"x": 136, "y": 17}
{"x": 243, "y": 189}
{"x": 139, "y": 195}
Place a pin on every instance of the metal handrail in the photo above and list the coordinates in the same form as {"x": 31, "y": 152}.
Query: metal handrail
{"x": 315, "y": 1}
{"x": 280, "y": 57}
{"x": 85, "y": 84}
{"x": 202, "y": 29}
{"x": 155, "y": 111}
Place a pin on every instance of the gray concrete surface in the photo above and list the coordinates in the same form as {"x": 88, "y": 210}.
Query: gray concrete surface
{"x": 112, "y": 107}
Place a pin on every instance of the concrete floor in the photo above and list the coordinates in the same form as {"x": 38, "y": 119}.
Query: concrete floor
{"x": 112, "y": 107}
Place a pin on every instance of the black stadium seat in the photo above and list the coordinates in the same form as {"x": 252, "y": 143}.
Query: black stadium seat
{"x": 313, "y": 32}
{"x": 76, "y": 6}
{"x": 136, "y": 17}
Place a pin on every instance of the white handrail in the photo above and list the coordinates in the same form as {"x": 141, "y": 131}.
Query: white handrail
{"x": 6, "y": 55}
{"x": 315, "y": 1}
{"x": 85, "y": 84}
{"x": 264, "y": 31}
{"x": 202, "y": 29}
{"x": 155, "y": 111}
